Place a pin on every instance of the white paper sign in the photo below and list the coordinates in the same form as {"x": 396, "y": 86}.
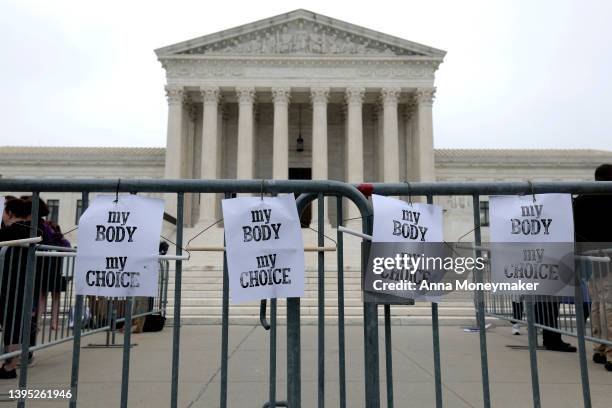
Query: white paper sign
{"x": 398, "y": 221}
{"x": 412, "y": 224}
{"x": 520, "y": 219}
{"x": 118, "y": 246}
{"x": 265, "y": 251}
{"x": 532, "y": 241}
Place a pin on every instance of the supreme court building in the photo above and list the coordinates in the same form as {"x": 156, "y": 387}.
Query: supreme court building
{"x": 298, "y": 95}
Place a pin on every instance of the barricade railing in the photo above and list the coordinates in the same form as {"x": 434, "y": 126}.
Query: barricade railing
{"x": 593, "y": 273}
{"x": 53, "y": 300}
{"x": 477, "y": 190}
{"x": 315, "y": 189}
{"x": 310, "y": 190}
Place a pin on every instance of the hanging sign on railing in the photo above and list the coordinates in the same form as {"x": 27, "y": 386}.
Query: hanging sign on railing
{"x": 265, "y": 251}
{"x": 410, "y": 231}
{"x": 118, "y": 241}
{"x": 532, "y": 243}
{"x": 398, "y": 221}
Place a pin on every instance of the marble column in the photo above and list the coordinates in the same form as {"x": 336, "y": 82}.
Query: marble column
{"x": 210, "y": 101}
{"x": 319, "y": 97}
{"x": 174, "y": 142}
{"x": 354, "y": 147}
{"x": 425, "y": 163}
{"x": 408, "y": 116}
{"x": 389, "y": 97}
{"x": 221, "y": 133}
{"x": 246, "y": 144}
{"x": 379, "y": 150}
{"x": 280, "y": 144}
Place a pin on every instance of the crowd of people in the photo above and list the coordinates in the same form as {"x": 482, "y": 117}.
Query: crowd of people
{"x": 49, "y": 278}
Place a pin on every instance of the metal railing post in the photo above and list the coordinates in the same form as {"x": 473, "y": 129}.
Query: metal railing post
{"x": 532, "y": 338}
{"x": 224, "y": 328}
{"x": 370, "y": 328}
{"x": 294, "y": 369}
{"x": 435, "y": 336}
{"x": 76, "y": 345}
{"x": 584, "y": 370}
{"x": 480, "y": 317}
{"x": 127, "y": 346}
{"x": 272, "y": 388}
{"x": 341, "y": 332}
{"x": 321, "y": 304}
{"x": 176, "y": 329}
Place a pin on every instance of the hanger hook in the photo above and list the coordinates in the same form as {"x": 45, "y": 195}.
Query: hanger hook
{"x": 262, "y": 189}
{"x": 409, "y": 193}
{"x": 117, "y": 191}
{"x": 531, "y": 187}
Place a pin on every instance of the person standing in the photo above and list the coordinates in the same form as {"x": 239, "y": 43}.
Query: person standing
{"x": 593, "y": 224}
{"x": 12, "y": 289}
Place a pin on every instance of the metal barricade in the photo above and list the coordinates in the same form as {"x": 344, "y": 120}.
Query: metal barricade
{"x": 53, "y": 322}
{"x": 476, "y": 190}
{"x": 594, "y": 275}
{"x": 314, "y": 189}
{"x": 310, "y": 190}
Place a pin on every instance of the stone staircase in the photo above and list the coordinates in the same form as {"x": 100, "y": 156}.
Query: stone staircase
{"x": 202, "y": 291}
{"x": 202, "y": 300}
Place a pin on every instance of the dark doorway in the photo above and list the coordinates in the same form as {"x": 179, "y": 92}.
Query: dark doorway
{"x": 302, "y": 173}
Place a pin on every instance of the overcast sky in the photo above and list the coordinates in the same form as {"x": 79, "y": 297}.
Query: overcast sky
{"x": 518, "y": 74}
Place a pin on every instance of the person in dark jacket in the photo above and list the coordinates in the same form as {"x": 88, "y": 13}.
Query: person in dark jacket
{"x": 53, "y": 280}
{"x": 12, "y": 284}
{"x": 593, "y": 225}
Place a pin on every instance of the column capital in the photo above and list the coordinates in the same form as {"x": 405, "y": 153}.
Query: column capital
{"x": 319, "y": 95}
{"x": 210, "y": 94}
{"x": 354, "y": 96}
{"x": 245, "y": 95}
{"x": 174, "y": 94}
{"x": 390, "y": 95}
{"x": 281, "y": 95}
{"x": 425, "y": 96}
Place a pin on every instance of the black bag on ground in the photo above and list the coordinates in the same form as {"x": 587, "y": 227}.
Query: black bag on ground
{"x": 154, "y": 323}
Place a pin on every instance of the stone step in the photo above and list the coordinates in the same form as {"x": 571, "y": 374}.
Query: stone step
{"x": 311, "y": 292}
{"x": 218, "y": 286}
{"x": 329, "y": 311}
{"x": 310, "y": 301}
{"x": 210, "y": 276}
{"x": 333, "y": 321}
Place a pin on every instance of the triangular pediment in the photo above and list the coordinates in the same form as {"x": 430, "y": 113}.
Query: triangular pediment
{"x": 300, "y": 33}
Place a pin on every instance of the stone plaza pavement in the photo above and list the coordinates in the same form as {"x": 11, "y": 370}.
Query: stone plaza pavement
{"x": 99, "y": 383}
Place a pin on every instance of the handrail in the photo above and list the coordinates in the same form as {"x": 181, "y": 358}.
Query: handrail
{"x": 20, "y": 242}
{"x": 492, "y": 188}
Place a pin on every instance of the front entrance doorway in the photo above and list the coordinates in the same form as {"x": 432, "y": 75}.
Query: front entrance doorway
{"x": 302, "y": 173}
